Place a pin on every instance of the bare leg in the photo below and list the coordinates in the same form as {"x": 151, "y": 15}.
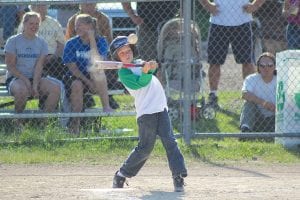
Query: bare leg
{"x": 214, "y": 74}
{"x": 20, "y": 93}
{"x": 248, "y": 68}
{"x": 76, "y": 99}
{"x": 52, "y": 91}
{"x": 102, "y": 90}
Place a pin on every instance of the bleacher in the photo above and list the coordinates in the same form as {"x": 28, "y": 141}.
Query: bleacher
{"x": 33, "y": 112}
{"x": 37, "y": 113}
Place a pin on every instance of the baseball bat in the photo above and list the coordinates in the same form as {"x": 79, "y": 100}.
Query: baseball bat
{"x": 114, "y": 65}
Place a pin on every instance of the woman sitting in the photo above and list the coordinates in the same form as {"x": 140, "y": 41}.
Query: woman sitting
{"x": 80, "y": 53}
{"x": 259, "y": 91}
{"x": 24, "y": 56}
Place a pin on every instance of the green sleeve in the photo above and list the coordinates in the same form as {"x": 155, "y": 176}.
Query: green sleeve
{"x": 133, "y": 81}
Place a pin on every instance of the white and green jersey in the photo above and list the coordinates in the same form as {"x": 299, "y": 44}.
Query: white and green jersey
{"x": 146, "y": 89}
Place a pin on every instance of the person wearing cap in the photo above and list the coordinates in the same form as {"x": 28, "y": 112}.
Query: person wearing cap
{"x": 79, "y": 55}
{"x": 152, "y": 115}
{"x": 259, "y": 93}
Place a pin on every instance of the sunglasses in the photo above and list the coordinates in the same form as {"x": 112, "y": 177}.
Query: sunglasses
{"x": 263, "y": 65}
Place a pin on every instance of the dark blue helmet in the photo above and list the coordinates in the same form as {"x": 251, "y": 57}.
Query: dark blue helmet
{"x": 119, "y": 42}
{"x": 116, "y": 44}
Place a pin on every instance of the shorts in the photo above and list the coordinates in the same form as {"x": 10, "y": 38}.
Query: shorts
{"x": 9, "y": 81}
{"x": 241, "y": 40}
{"x": 68, "y": 80}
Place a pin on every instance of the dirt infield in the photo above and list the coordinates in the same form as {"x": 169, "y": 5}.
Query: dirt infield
{"x": 205, "y": 181}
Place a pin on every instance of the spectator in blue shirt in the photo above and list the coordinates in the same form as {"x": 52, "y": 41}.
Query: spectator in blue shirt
{"x": 79, "y": 55}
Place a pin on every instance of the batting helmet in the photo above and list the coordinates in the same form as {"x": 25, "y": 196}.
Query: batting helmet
{"x": 117, "y": 43}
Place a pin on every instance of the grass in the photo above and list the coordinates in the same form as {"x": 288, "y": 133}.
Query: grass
{"x": 109, "y": 152}
{"x": 52, "y": 144}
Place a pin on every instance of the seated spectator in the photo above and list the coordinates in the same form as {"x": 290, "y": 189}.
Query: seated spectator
{"x": 259, "y": 93}
{"x": 52, "y": 32}
{"x": 25, "y": 54}
{"x": 291, "y": 10}
{"x": 79, "y": 54}
{"x": 105, "y": 30}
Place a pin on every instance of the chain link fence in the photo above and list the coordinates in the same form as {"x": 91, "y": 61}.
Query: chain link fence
{"x": 203, "y": 78}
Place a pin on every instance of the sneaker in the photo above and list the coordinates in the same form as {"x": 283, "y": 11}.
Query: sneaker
{"x": 112, "y": 102}
{"x": 178, "y": 184}
{"x": 245, "y": 129}
{"x": 213, "y": 101}
{"x": 118, "y": 181}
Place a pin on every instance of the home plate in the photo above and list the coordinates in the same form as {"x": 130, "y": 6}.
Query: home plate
{"x": 112, "y": 193}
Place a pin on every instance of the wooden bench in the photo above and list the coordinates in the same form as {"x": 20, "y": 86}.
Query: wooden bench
{"x": 4, "y": 92}
{"x": 95, "y": 112}
{"x": 2, "y": 71}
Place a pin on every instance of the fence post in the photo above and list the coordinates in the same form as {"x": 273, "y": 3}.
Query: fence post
{"x": 187, "y": 71}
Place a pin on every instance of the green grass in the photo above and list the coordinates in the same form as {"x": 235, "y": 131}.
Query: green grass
{"x": 228, "y": 150}
{"x": 227, "y": 118}
{"x": 52, "y": 144}
{"x": 108, "y": 152}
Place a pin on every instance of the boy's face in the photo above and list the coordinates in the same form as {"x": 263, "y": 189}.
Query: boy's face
{"x": 125, "y": 54}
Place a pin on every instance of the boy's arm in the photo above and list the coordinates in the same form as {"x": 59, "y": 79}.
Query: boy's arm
{"x": 133, "y": 81}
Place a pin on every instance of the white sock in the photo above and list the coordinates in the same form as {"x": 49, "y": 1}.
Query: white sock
{"x": 120, "y": 174}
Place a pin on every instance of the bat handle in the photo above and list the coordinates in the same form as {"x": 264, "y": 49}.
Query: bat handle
{"x": 140, "y": 65}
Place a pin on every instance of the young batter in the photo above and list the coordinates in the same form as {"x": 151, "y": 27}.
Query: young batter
{"x": 152, "y": 116}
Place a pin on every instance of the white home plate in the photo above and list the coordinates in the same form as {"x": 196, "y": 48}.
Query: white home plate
{"x": 112, "y": 193}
